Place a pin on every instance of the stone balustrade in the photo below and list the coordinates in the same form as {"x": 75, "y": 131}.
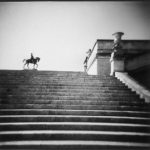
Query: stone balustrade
{"x": 134, "y": 85}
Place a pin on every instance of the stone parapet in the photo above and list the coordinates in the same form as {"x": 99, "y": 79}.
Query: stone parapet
{"x": 131, "y": 46}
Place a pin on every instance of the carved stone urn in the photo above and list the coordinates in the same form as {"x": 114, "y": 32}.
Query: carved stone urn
{"x": 117, "y": 37}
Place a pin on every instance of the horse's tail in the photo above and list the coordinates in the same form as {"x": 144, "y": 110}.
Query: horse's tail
{"x": 24, "y": 60}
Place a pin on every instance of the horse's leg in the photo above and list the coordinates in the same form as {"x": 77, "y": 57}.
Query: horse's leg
{"x": 36, "y": 66}
{"x": 33, "y": 66}
{"x": 28, "y": 65}
{"x": 24, "y": 65}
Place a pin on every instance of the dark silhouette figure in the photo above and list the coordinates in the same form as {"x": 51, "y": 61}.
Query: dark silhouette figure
{"x": 32, "y": 60}
{"x": 89, "y": 52}
{"x": 32, "y": 57}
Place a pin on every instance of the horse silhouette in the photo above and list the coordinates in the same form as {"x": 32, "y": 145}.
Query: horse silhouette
{"x": 31, "y": 61}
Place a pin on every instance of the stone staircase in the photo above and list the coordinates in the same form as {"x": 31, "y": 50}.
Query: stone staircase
{"x": 70, "y": 110}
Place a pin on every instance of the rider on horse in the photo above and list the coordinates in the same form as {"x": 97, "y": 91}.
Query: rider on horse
{"x": 32, "y": 60}
{"x": 32, "y": 57}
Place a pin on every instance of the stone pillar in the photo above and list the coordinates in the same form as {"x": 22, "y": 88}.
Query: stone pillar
{"x": 117, "y": 56}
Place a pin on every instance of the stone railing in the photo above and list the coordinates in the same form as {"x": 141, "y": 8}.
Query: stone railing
{"x": 90, "y": 58}
{"x": 134, "y": 85}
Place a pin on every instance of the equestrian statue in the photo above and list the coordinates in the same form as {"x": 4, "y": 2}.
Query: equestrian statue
{"x": 32, "y": 60}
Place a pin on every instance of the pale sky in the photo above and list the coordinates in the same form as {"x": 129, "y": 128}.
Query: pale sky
{"x": 61, "y": 32}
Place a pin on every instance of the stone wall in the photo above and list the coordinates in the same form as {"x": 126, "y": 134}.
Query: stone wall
{"x": 103, "y": 65}
{"x": 137, "y": 62}
{"x": 142, "y": 75}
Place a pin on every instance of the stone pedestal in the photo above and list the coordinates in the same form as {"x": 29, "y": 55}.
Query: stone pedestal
{"x": 117, "y": 65}
{"x": 117, "y": 58}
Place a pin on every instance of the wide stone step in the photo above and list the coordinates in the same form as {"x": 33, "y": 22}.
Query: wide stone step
{"x": 74, "y": 102}
{"x": 74, "y": 126}
{"x": 52, "y": 88}
{"x": 64, "y": 86}
{"x": 75, "y": 135}
{"x": 32, "y": 73}
{"x": 69, "y": 90}
{"x": 42, "y": 80}
{"x": 41, "y": 94}
{"x": 27, "y": 71}
{"x": 106, "y": 98}
{"x": 52, "y": 74}
{"x": 77, "y": 97}
{"x": 74, "y": 112}
{"x": 76, "y": 107}
{"x": 74, "y": 145}
{"x": 67, "y": 81}
{"x": 36, "y": 77}
{"x": 73, "y": 118}
{"x": 58, "y": 80}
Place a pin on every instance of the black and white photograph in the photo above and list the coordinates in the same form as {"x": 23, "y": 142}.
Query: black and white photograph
{"x": 75, "y": 75}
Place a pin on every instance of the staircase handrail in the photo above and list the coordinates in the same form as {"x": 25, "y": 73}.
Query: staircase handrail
{"x": 134, "y": 85}
{"x": 90, "y": 57}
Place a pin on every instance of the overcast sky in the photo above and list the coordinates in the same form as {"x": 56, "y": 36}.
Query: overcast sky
{"x": 61, "y": 32}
